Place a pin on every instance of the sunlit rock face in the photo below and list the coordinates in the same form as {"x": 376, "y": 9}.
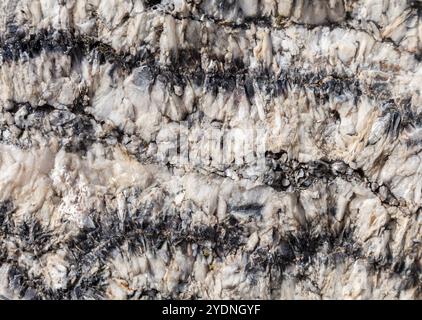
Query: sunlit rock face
{"x": 243, "y": 149}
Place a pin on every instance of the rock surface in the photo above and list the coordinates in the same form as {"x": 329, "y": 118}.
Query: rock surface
{"x": 242, "y": 149}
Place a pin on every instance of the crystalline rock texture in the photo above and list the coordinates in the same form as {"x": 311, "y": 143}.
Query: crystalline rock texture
{"x": 210, "y": 149}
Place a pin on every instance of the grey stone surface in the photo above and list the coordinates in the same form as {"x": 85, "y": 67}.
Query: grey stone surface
{"x": 243, "y": 149}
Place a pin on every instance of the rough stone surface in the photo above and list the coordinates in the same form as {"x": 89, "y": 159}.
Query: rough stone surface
{"x": 209, "y": 149}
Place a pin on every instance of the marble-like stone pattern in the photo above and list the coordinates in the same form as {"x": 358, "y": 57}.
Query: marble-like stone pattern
{"x": 99, "y": 201}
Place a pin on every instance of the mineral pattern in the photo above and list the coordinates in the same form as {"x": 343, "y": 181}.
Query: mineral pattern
{"x": 210, "y": 149}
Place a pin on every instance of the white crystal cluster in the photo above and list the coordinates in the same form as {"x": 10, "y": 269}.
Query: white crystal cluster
{"x": 210, "y": 149}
